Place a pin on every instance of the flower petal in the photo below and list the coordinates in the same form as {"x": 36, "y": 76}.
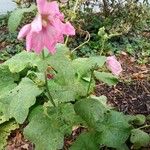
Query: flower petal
{"x": 63, "y": 28}
{"x": 69, "y": 29}
{"x": 36, "y": 24}
{"x": 51, "y": 48}
{"x": 24, "y": 31}
{"x": 28, "y": 42}
{"x": 50, "y": 39}
{"x": 113, "y": 65}
{"x": 34, "y": 41}
{"x": 45, "y": 7}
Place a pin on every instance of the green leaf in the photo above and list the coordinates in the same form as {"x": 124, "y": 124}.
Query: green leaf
{"x": 123, "y": 147}
{"x": 5, "y": 130}
{"x": 64, "y": 70}
{"x": 66, "y": 86}
{"x": 137, "y": 119}
{"x": 148, "y": 117}
{"x": 61, "y": 93}
{"x": 83, "y": 65}
{"x": 6, "y": 80}
{"x": 139, "y": 138}
{"x": 106, "y": 77}
{"x": 62, "y": 50}
{"x": 69, "y": 118}
{"x": 90, "y": 110}
{"x": 47, "y": 130}
{"x": 58, "y": 61}
{"x": 37, "y": 77}
{"x": 21, "y": 61}
{"x": 16, "y": 17}
{"x": 3, "y": 118}
{"x": 81, "y": 87}
{"x": 18, "y": 101}
{"x": 7, "y": 83}
{"x": 102, "y": 99}
{"x": 114, "y": 130}
{"x": 44, "y": 132}
{"x": 71, "y": 91}
{"x": 86, "y": 141}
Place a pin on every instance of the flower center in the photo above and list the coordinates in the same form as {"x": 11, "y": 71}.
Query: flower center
{"x": 45, "y": 20}
{"x": 44, "y": 23}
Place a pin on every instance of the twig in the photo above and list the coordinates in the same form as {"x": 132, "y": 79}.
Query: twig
{"x": 82, "y": 43}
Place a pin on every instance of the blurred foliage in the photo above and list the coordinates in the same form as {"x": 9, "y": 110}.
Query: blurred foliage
{"x": 9, "y": 44}
{"x": 125, "y": 26}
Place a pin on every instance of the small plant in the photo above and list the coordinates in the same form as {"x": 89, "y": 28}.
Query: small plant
{"x": 54, "y": 93}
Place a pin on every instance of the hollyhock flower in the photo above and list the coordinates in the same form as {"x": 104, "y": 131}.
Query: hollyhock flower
{"x": 47, "y": 29}
{"x": 113, "y": 65}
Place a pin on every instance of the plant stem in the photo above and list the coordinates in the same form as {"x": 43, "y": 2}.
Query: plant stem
{"x": 43, "y": 55}
{"x": 82, "y": 43}
{"x": 102, "y": 48}
{"x": 46, "y": 84}
{"x": 49, "y": 94}
{"x": 66, "y": 41}
{"x": 75, "y": 6}
{"x": 74, "y": 10}
{"x": 91, "y": 77}
{"x": 145, "y": 126}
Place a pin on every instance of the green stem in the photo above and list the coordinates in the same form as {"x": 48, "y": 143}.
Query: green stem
{"x": 145, "y": 126}
{"x": 74, "y": 10}
{"x": 75, "y": 6}
{"x": 43, "y": 55}
{"x": 48, "y": 92}
{"x": 82, "y": 43}
{"x": 103, "y": 45}
{"x": 66, "y": 41}
{"x": 46, "y": 84}
{"x": 91, "y": 77}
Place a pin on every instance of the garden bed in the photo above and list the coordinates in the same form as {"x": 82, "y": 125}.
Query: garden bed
{"x": 130, "y": 96}
{"x": 69, "y": 104}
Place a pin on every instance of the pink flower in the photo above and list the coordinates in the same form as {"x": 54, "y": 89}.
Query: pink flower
{"x": 47, "y": 29}
{"x": 113, "y": 65}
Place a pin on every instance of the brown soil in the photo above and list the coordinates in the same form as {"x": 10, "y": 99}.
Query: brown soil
{"x": 130, "y": 98}
{"x": 17, "y": 141}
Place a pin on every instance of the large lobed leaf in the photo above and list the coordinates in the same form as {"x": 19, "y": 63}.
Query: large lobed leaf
{"x": 6, "y": 80}
{"x": 139, "y": 138}
{"x": 66, "y": 86}
{"x": 18, "y": 101}
{"x": 83, "y": 65}
{"x": 47, "y": 130}
{"x": 86, "y": 141}
{"x": 91, "y": 110}
{"x": 7, "y": 83}
{"x": 63, "y": 65}
{"x": 106, "y": 77}
{"x": 114, "y": 130}
{"x": 112, "y": 127}
{"x": 21, "y": 61}
{"x": 29, "y": 59}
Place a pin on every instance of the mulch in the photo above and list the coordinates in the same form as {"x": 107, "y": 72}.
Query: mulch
{"x": 130, "y": 98}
